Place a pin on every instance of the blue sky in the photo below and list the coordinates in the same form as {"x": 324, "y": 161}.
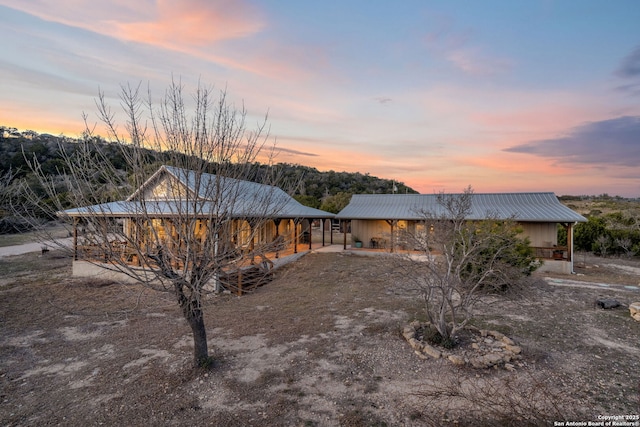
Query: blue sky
{"x": 499, "y": 95}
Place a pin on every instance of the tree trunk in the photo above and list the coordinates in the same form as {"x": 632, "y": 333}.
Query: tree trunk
{"x": 192, "y": 312}
{"x": 200, "y": 348}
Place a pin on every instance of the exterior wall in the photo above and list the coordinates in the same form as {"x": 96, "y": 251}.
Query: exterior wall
{"x": 540, "y": 234}
{"x": 365, "y": 230}
{"x": 544, "y": 234}
{"x": 166, "y": 187}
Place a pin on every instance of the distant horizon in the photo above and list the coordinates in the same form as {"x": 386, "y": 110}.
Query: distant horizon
{"x": 505, "y": 96}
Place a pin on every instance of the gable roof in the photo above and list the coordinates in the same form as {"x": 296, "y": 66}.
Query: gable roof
{"x": 210, "y": 193}
{"x": 524, "y": 207}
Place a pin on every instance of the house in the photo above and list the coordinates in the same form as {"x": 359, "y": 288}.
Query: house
{"x": 378, "y": 219}
{"x": 182, "y": 213}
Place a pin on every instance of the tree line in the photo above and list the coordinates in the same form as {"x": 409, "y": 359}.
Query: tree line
{"x": 612, "y": 227}
{"x": 330, "y": 191}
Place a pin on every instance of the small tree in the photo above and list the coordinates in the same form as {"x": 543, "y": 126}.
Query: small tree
{"x": 180, "y": 251}
{"x": 462, "y": 258}
{"x": 336, "y": 203}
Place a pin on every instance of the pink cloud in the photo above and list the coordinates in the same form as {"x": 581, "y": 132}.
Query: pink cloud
{"x": 158, "y": 22}
{"x": 191, "y": 22}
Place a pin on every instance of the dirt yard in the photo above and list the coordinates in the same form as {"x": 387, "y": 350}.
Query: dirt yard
{"x": 319, "y": 346}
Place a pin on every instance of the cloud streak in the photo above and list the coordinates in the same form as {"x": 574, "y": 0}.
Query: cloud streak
{"x": 157, "y": 22}
{"x": 630, "y": 66}
{"x": 608, "y": 142}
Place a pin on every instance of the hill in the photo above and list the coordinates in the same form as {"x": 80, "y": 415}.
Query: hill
{"x": 330, "y": 190}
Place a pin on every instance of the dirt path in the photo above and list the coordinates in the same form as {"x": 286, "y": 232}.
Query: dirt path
{"x": 26, "y": 248}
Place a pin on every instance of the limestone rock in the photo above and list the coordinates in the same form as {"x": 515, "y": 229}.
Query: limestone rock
{"x": 456, "y": 360}
{"x": 508, "y": 341}
{"x": 497, "y": 335}
{"x": 634, "y": 310}
{"x": 492, "y": 359}
{"x": 478, "y": 362}
{"x": 513, "y": 349}
{"x": 431, "y": 351}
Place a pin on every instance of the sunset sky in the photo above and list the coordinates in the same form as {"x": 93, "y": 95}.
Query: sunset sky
{"x": 524, "y": 95}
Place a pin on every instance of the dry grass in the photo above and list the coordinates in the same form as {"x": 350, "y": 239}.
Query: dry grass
{"x": 318, "y": 346}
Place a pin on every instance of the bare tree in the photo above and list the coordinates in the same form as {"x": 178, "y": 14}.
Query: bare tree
{"x": 626, "y": 244}
{"x": 460, "y": 259}
{"x": 186, "y": 223}
{"x": 603, "y": 244}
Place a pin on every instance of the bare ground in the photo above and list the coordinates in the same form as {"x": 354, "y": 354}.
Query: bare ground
{"x": 319, "y": 346}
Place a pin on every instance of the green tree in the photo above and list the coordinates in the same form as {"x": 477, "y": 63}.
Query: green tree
{"x": 335, "y": 204}
{"x": 587, "y": 233}
{"x": 310, "y": 201}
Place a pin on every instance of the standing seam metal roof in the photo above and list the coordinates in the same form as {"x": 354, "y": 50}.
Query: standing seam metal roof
{"x": 524, "y": 207}
{"x": 243, "y": 199}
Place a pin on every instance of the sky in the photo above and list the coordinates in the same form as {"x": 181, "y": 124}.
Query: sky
{"x": 504, "y": 96}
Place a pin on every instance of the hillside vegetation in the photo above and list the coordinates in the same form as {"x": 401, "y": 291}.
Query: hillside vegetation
{"x": 330, "y": 191}
{"x": 612, "y": 227}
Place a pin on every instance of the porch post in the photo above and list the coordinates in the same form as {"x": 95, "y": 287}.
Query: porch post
{"x": 322, "y": 227}
{"x": 276, "y": 222}
{"x": 295, "y": 236}
{"x": 344, "y": 233}
{"x": 392, "y": 223}
{"x": 331, "y": 231}
{"x": 75, "y": 238}
{"x": 570, "y": 245}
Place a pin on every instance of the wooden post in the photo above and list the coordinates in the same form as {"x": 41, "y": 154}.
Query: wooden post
{"x": 276, "y": 222}
{"x": 239, "y": 282}
{"x": 344, "y": 232}
{"x": 322, "y": 227}
{"x": 75, "y": 239}
{"x": 295, "y": 236}
{"x": 392, "y": 223}
{"x": 569, "y": 229}
{"x": 331, "y": 230}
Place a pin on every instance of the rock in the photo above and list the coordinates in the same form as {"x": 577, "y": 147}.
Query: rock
{"x": 415, "y": 344}
{"x": 509, "y": 367}
{"x": 634, "y": 310}
{"x": 456, "y": 360}
{"x": 513, "y": 349}
{"x": 475, "y": 346}
{"x": 607, "y": 303}
{"x": 478, "y": 362}
{"x": 431, "y": 351}
{"x": 492, "y": 359}
{"x": 507, "y": 341}
{"x": 408, "y": 332}
{"x": 497, "y": 335}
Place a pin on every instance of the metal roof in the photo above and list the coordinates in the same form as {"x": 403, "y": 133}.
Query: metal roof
{"x": 524, "y": 207}
{"x": 217, "y": 196}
